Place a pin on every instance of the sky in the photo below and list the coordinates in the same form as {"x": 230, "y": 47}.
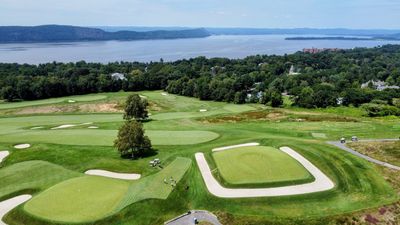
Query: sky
{"x": 361, "y": 14}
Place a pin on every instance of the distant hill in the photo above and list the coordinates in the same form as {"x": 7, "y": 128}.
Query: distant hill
{"x": 302, "y": 31}
{"x": 58, "y": 33}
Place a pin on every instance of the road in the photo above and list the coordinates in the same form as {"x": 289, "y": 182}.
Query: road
{"x": 347, "y": 149}
{"x": 188, "y": 219}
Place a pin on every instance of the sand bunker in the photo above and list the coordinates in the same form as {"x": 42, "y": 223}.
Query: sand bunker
{"x": 235, "y": 146}
{"x": 7, "y": 205}
{"x": 165, "y": 94}
{"x": 22, "y": 146}
{"x": 70, "y": 125}
{"x": 63, "y": 126}
{"x": 105, "y": 173}
{"x": 71, "y": 101}
{"x": 35, "y": 128}
{"x": 203, "y": 110}
{"x": 93, "y": 127}
{"x": 3, "y": 155}
{"x": 321, "y": 182}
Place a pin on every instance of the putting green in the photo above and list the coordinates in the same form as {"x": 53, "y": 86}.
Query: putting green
{"x": 258, "y": 165}
{"x": 105, "y": 137}
{"x": 91, "y": 198}
{"x": 83, "y": 98}
{"x": 78, "y": 200}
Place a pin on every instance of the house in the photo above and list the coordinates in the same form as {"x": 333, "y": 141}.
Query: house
{"x": 293, "y": 70}
{"x": 118, "y": 76}
{"x": 378, "y": 85}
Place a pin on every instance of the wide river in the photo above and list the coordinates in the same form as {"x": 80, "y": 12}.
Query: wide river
{"x": 169, "y": 50}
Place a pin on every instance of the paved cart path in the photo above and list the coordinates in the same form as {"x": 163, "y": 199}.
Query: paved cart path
{"x": 188, "y": 219}
{"x": 348, "y": 149}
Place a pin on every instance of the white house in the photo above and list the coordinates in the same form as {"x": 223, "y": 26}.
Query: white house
{"x": 118, "y": 76}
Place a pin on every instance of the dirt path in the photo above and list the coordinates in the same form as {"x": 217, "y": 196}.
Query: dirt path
{"x": 188, "y": 218}
{"x": 123, "y": 176}
{"x": 347, "y": 149}
{"x": 321, "y": 182}
{"x": 7, "y": 205}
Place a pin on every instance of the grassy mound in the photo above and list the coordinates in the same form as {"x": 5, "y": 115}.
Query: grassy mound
{"x": 78, "y": 200}
{"x": 259, "y": 165}
{"x": 31, "y": 175}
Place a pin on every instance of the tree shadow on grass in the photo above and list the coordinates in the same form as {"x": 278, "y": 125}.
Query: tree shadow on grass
{"x": 147, "y": 154}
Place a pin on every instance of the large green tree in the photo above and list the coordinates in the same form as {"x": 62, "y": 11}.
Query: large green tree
{"x": 135, "y": 108}
{"x": 132, "y": 140}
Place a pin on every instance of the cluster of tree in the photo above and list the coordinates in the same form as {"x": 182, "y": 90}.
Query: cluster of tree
{"x": 131, "y": 139}
{"x": 323, "y": 79}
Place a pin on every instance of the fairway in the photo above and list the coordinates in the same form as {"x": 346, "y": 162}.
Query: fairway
{"x": 101, "y": 137}
{"x": 258, "y": 165}
{"x": 79, "y": 200}
{"x": 70, "y": 99}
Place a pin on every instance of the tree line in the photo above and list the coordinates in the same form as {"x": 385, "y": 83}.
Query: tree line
{"x": 320, "y": 81}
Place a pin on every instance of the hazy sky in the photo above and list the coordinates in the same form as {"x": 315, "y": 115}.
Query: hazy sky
{"x": 205, "y": 13}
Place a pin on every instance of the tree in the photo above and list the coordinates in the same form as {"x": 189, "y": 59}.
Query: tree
{"x": 132, "y": 140}
{"x": 135, "y": 108}
{"x": 276, "y": 99}
{"x": 306, "y": 98}
{"x": 240, "y": 97}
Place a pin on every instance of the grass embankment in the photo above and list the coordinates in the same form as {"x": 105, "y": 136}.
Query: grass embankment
{"x": 384, "y": 151}
{"x": 259, "y": 166}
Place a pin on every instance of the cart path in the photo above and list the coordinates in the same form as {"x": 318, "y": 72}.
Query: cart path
{"x": 9, "y": 204}
{"x": 321, "y": 182}
{"x": 350, "y": 150}
{"x": 200, "y": 215}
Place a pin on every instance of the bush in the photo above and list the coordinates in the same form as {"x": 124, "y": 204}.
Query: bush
{"x": 374, "y": 110}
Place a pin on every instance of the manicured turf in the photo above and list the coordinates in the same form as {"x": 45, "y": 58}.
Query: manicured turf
{"x": 258, "y": 164}
{"x": 83, "y": 98}
{"x": 31, "y": 175}
{"x": 91, "y": 198}
{"x": 359, "y": 185}
{"x": 79, "y": 200}
{"x": 105, "y": 137}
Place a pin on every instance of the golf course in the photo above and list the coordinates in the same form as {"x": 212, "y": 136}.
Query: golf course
{"x": 278, "y": 155}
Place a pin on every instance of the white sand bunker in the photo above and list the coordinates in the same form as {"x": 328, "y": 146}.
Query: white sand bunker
{"x": 93, "y": 127}
{"x": 142, "y": 96}
{"x": 22, "y": 146}
{"x": 3, "y": 155}
{"x": 203, "y": 110}
{"x": 36, "y": 128}
{"x": 70, "y": 125}
{"x": 105, "y": 173}
{"x": 165, "y": 94}
{"x": 319, "y": 135}
{"x": 71, "y": 101}
{"x": 321, "y": 182}
{"x": 7, "y": 205}
{"x": 235, "y": 146}
{"x": 63, "y": 126}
